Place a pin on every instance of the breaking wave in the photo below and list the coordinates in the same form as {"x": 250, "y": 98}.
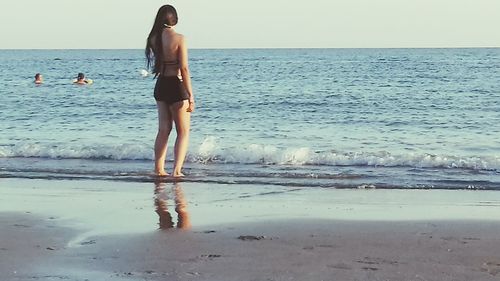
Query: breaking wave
{"x": 209, "y": 151}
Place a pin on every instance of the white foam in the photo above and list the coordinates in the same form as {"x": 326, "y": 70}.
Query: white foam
{"x": 144, "y": 72}
{"x": 210, "y": 150}
{"x": 117, "y": 152}
{"x": 207, "y": 148}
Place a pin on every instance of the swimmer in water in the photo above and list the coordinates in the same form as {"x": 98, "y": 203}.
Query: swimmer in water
{"x": 80, "y": 80}
{"x": 38, "y": 79}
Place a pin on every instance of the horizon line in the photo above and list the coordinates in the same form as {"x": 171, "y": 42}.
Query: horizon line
{"x": 256, "y": 48}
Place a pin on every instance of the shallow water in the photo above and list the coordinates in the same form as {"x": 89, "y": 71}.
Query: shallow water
{"x": 369, "y": 118}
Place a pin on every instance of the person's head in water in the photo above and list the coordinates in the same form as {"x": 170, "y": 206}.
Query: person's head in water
{"x": 165, "y": 18}
{"x": 38, "y": 78}
{"x": 80, "y": 79}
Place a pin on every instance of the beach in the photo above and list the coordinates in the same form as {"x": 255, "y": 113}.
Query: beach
{"x": 112, "y": 230}
{"x": 303, "y": 164}
{"x": 327, "y": 140}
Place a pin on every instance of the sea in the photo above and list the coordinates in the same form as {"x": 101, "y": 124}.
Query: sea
{"x": 319, "y": 118}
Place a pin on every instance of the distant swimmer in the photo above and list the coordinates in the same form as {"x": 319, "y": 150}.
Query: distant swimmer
{"x": 81, "y": 80}
{"x": 38, "y": 79}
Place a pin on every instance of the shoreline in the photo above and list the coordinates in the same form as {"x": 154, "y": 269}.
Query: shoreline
{"x": 99, "y": 230}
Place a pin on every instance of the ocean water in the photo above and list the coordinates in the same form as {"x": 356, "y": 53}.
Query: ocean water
{"x": 332, "y": 118}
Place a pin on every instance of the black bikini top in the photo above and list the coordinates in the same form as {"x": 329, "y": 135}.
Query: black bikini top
{"x": 172, "y": 62}
{"x": 169, "y": 63}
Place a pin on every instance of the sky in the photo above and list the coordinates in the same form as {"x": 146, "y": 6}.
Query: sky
{"x": 125, "y": 24}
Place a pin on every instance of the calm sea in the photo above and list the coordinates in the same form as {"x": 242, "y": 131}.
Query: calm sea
{"x": 333, "y": 118}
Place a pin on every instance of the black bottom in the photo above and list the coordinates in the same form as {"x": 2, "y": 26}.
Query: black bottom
{"x": 170, "y": 90}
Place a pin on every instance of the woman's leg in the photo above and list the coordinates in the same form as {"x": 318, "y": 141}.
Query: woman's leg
{"x": 164, "y": 128}
{"x": 182, "y": 120}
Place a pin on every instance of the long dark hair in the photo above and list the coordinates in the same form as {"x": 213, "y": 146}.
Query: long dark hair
{"x": 167, "y": 15}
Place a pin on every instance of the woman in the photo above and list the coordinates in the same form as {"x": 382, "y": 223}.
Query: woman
{"x": 166, "y": 54}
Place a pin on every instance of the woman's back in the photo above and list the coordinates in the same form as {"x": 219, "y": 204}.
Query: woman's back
{"x": 170, "y": 49}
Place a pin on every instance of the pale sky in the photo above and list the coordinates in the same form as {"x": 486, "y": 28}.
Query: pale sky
{"x": 125, "y": 24}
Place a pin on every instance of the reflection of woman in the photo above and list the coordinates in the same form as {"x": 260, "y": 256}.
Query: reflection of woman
{"x": 161, "y": 203}
{"x": 166, "y": 54}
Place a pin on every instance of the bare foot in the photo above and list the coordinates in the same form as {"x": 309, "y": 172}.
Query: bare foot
{"x": 161, "y": 173}
{"x": 178, "y": 175}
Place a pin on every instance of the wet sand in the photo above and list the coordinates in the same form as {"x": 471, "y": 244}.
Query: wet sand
{"x": 93, "y": 230}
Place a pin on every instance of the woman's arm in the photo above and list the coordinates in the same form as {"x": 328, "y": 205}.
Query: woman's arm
{"x": 184, "y": 68}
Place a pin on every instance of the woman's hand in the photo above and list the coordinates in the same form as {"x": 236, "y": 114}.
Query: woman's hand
{"x": 191, "y": 106}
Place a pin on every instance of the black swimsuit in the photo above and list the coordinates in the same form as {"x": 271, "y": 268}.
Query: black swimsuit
{"x": 170, "y": 88}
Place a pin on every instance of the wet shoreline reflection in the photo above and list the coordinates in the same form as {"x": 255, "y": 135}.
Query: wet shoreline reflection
{"x": 163, "y": 192}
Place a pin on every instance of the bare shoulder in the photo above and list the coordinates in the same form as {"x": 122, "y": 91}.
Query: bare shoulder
{"x": 181, "y": 38}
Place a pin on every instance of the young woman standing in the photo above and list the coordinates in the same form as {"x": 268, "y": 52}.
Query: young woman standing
{"x": 166, "y": 54}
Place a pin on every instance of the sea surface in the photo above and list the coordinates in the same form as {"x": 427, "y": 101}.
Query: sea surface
{"x": 331, "y": 118}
